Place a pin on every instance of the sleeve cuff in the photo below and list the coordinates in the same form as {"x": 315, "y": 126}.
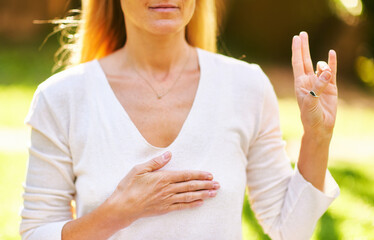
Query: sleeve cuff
{"x": 51, "y": 231}
{"x": 331, "y": 188}
{"x": 305, "y": 204}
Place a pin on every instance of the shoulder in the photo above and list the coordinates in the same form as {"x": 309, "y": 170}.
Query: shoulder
{"x": 238, "y": 70}
{"x": 240, "y": 76}
{"x": 221, "y": 60}
{"x": 56, "y": 96}
{"x": 68, "y": 81}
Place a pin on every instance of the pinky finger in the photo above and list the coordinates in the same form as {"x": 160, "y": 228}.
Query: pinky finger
{"x": 186, "y": 205}
{"x": 333, "y": 64}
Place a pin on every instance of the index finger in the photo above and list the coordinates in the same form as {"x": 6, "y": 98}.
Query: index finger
{"x": 297, "y": 57}
{"x": 184, "y": 176}
{"x": 308, "y": 65}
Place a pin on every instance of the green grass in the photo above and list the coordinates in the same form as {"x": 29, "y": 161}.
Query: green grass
{"x": 12, "y": 174}
{"x": 351, "y": 215}
{"x": 351, "y": 121}
{"x": 25, "y": 64}
{"x": 14, "y": 105}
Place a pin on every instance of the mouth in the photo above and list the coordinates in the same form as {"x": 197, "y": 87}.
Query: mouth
{"x": 163, "y": 7}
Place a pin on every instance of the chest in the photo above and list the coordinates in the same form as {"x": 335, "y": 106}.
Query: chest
{"x": 106, "y": 145}
{"x": 159, "y": 121}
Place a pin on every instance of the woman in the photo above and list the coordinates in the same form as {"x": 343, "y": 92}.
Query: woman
{"x": 155, "y": 136}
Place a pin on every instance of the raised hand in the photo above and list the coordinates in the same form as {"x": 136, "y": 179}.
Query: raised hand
{"x": 318, "y": 112}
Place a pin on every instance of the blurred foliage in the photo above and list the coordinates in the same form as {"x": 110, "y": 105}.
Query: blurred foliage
{"x": 262, "y": 30}
{"x": 26, "y": 64}
{"x": 365, "y": 69}
{"x": 349, "y": 217}
{"x": 12, "y": 111}
{"x": 12, "y": 174}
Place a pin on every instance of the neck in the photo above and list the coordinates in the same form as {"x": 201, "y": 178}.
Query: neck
{"x": 155, "y": 54}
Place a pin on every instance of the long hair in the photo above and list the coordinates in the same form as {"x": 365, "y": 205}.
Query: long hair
{"x": 100, "y": 30}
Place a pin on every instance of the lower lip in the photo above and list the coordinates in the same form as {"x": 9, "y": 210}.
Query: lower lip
{"x": 170, "y": 9}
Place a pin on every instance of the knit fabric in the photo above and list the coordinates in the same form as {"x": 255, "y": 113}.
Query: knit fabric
{"x": 83, "y": 143}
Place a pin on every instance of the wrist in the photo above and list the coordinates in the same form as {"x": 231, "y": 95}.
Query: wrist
{"x": 318, "y": 136}
{"x": 313, "y": 158}
{"x": 101, "y": 223}
{"x": 115, "y": 214}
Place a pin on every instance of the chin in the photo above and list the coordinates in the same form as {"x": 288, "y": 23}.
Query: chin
{"x": 165, "y": 26}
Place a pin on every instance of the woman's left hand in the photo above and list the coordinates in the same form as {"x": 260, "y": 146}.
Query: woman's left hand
{"x": 318, "y": 113}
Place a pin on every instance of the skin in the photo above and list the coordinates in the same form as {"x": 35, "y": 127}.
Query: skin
{"x": 317, "y": 114}
{"x": 142, "y": 193}
{"x": 157, "y": 47}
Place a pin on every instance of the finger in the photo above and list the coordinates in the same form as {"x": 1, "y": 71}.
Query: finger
{"x": 181, "y": 206}
{"x": 333, "y": 63}
{"x": 297, "y": 57}
{"x": 308, "y": 65}
{"x": 155, "y": 163}
{"x": 191, "y": 186}
{"x": 183, "y": 176}
{"x": 193, "y": 196}
{"x": 322, "y": 66}
{"x": 322, "y": 81}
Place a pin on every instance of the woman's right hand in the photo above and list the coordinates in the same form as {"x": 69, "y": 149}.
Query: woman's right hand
{"x": 145, "y": 192}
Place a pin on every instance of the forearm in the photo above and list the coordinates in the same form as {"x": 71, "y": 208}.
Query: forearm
{"x": 313, "y": 158}
{"x": 98, "y": 224}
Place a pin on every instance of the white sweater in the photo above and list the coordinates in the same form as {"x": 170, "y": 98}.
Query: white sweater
{"x": 83, "y": 143}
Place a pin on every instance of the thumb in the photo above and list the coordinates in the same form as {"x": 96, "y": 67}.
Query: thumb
{"x": 322, "y": 82}
{"x": 157, "y": 162}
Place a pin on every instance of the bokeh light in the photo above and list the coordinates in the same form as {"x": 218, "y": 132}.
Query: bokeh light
{"x": 365, "y": 70}
{"x": 348, "y": 10}
{"x": 254, "y": 31}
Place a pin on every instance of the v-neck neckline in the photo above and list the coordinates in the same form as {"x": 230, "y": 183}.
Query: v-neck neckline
{"x": 190, "y": 117}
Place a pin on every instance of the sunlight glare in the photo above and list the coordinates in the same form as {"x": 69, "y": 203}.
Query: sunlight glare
{"x": 354, "y": 7}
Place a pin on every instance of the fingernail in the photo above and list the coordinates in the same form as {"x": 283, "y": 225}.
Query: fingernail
{"x": 166, "y": 155}
{"x": 216, "y": 185}
{"x": 325, "y": 76}
{"x": 209, "y": 176}
{"x": 212, "y": 193}
{"x": 325, "y": 67}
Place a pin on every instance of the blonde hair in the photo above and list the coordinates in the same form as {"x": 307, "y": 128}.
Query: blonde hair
{"x": 100, "y": 30}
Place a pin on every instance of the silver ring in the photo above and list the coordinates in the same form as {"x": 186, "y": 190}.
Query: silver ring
{"x": 313, "y": 94}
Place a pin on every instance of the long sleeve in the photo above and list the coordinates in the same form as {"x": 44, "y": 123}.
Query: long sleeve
{"x": 286, "y": 205}
{"x": 49, "y": 186}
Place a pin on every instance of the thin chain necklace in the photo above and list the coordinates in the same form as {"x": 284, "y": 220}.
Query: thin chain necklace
{"x": 159, "y": 96}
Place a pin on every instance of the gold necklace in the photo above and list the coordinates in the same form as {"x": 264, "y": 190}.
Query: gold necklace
{"x": 159, "y": 96}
